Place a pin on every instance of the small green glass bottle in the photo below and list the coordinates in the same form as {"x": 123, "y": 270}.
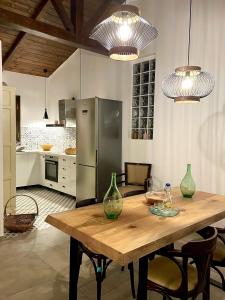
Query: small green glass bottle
{"x": 187, "y": 185}
{"x": 113, "y": 201}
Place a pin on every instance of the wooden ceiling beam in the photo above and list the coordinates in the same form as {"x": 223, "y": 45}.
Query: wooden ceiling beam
{"x": 77, "y": 16}
{"x": 73, "y": 9}
{"x": 47, "y": 31}
{"x": 21, "y": 35}
{"x": 106, "y": 8}
{"x": 58, "y": 6}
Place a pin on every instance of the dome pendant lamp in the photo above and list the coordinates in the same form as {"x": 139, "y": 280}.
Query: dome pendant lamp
{"x": 45, "y": 117}
{"x": 189, "y": 83}
{"x": 124, "y": 33}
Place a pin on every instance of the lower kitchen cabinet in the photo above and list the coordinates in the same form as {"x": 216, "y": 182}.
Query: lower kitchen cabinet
{"x": 67, "y": 175}
{"x": 27, "y": 169}
{"x": 51, "y": 184}
{"x": 42, "y": 169}
{"x": 30, "y": 170}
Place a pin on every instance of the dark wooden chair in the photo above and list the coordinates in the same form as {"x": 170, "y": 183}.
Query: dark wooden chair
{"x": 219, "y": 258}
{"x": 99, "y": 261}
{"x": 135, "y": 179}
{"x": 184, "y": 273}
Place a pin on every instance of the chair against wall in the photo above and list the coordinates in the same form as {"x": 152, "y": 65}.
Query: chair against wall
{"x": 135, "y": 179}
{"x": 184, "y": 273}
{"x": 99, "y": 261}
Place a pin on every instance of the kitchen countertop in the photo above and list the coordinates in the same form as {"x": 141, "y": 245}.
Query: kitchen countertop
{"x": 44, "y": 152}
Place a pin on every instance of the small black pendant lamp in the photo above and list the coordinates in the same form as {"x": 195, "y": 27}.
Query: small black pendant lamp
{"x": 45, "y": 117}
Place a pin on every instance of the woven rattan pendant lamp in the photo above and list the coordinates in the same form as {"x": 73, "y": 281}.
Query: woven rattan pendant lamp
{"x": 124, "y": 33}
{"x": 189, "y": 83}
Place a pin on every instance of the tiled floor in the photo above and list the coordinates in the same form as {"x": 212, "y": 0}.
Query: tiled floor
{"x": 35, "y": 267}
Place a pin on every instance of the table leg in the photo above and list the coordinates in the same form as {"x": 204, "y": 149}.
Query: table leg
{"x": 142, "y": 278}
{"x": 75, "y": 262}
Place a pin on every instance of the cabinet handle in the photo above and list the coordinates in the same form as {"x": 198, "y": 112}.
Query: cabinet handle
{"x": 64, "y": 169}
{"x": 64, "y": 177}
{"x": 63, "y": 186}
{"x": 64, "y": 160}
{"x": 50, "y": 184}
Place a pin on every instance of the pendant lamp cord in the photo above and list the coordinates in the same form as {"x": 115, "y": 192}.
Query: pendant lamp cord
{"x": 189, "y": 31}
{"x": 45, "y": 72}
{"x": 80, "y": 74}
{"x": 45, "y": 93}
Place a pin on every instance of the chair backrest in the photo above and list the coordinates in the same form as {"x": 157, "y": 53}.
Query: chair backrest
{"x": 86, "y": 202}
{"x": 201, "y": 251}
{"x": 135, "y": 174}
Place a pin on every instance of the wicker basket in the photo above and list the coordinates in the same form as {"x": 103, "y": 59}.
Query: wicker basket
{"x": 21, "y": 222}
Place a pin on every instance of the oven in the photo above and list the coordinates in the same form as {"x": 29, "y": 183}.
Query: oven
{"x": 51, "y": 168}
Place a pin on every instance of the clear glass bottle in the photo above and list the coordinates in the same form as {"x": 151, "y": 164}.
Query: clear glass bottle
{"x": 187, "y": 185}
{"x": 149, "y": 189}
{"x": 113, "y": 201}
{"x": 167, "y": 203}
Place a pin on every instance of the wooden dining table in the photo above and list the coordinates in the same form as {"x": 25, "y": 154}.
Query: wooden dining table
{"x": 137, "y": 232}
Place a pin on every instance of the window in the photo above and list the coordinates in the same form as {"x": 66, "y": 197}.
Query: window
{"x": 143, "y": 100}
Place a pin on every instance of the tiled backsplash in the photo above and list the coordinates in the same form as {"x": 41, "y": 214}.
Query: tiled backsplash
{"x": 61, "y": 138}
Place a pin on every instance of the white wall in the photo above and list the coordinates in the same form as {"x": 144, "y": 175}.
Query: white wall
{"x": 1, "y": 149}
{"x": 64, "y": 83}
{"x": 189, "y": 133}
{"x": 32, "y": 92}
{"x": 99, "y": 75}
{"x": 137, "y": 150}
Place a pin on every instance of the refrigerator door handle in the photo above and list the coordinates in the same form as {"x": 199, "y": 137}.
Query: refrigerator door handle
{"x": 83, "y": 165}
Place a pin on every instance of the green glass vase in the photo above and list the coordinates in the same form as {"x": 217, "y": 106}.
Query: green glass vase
{"x": 113, "y": 201}
{"x": 187, "y": 185}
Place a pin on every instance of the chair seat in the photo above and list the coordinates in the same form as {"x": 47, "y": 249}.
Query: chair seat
{"x": 165, "y": 272}
{"x": 130, "y": 189}
{"x": 219, "y": 253}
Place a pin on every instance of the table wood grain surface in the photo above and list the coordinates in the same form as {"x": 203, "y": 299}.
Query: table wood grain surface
{"x": 137, "y": 232}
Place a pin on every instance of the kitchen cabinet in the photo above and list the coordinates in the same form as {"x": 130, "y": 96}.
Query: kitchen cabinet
{"x": 52, "y": 185}
{"x": 42, "y": 169}
{"x": 31, "y": 171}
{"x": 28, "y": 169}
{"x": 67, "y": 175}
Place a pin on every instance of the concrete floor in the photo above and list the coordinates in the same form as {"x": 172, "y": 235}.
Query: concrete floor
{"x": 35, "y": 267}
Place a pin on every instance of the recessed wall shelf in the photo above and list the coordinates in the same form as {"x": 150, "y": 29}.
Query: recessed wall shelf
{"x": 143, "y": 100}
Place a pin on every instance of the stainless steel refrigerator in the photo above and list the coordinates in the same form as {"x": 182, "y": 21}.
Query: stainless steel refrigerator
{"x": 99, "y": 145}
